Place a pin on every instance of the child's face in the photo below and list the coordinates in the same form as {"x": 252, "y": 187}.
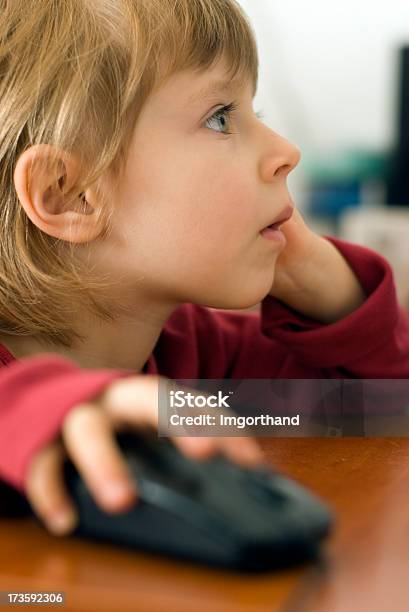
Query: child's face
{"x": 194, "y": 200}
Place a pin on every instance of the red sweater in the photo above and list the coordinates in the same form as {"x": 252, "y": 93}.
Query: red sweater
{"x": 197, "y": 342}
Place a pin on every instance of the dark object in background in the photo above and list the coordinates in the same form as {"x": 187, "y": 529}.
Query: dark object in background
{"x": 210, "y": 511}
{"x": 398, "y": 184}
{"x": 12, "y": 503}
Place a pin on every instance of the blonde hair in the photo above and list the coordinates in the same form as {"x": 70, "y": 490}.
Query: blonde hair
{"x": 75, "y": 74}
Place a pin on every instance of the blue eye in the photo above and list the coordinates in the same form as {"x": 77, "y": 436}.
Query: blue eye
{"x": 221, "y": 115}
{"x": 226, "y": 112}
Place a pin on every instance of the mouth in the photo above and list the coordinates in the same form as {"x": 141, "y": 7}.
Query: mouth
{"x": 284, "y": 216}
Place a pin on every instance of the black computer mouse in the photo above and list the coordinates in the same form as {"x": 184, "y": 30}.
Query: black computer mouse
{"x": 212, "y": 511}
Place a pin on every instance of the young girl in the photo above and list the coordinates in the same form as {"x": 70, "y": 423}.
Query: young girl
{"x": 138, "y": 188}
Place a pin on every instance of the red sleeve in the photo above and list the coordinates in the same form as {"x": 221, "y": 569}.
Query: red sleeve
{"x": 372, "y": 342}
{"x": 278, "y": 342}
{"x": 36, "y": 393}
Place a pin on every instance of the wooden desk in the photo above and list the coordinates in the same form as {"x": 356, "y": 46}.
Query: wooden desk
{"x": 367, "y": 561}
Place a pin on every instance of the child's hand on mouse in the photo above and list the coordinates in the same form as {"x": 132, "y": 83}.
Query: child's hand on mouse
{"x": 313, "y": 277}
{"x": 88, "y": 438}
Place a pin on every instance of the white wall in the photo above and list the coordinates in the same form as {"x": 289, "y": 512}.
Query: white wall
{"x": 327, "y": 69}
{"x": 328, "y": 73}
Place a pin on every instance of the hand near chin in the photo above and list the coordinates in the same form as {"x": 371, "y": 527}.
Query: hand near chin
{"x": 295, "y": 262}
{"x": 312, "y": 276}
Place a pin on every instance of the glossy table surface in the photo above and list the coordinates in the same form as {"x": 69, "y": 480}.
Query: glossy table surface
{"x": 365, "y": 564}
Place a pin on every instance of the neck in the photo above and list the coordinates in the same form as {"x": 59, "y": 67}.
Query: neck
{"x": 125, "y": 343}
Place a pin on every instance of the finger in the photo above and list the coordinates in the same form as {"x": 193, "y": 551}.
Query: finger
{"x": 89, "y": 439}
{"x": 47, "y": 493}
{"x": 196, "y": 448}
{"x": 132, "y": 401}
{"x": 243, "y": 451}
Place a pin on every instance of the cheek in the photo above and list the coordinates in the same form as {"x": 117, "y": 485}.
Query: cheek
{"x": 202, "y": 253}
{"x": 219, "y": 217}
{"x": 196, "y": 233}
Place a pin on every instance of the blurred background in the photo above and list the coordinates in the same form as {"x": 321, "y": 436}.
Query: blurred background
{"x": 334, "y": 79}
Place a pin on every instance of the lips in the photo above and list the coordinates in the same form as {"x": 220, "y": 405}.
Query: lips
{"x": 284, "y": 216}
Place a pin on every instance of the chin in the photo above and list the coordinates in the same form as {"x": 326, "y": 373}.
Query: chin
{"x": 245, "y": 303}
{"x": 251, "y": 296}
{"x": 237, "y": 292}
{"x": 240, "y": 299}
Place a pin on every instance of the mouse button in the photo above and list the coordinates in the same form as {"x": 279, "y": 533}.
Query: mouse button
{"x": 185, "y": 483}
{"x": 265, "y": 494}
{"x": 163, "y": 455}
{"x": 161, "y": 461}
{"x": 234, "y": 480}
{"x": 192, "y": 511}
{"x": 222, "y": 495}
{"x": 132, "y": 441}
{"x": 179, "y": 467}
{"x": 243, "y": 493}
{"x": 206, "y": 498}
{"x": 164, "y": 461}
{"x": 164, "y": 475}
{"x": 147, "y": 447}
{"x": 143, "y": 452}
{"x": 264, "y": 488}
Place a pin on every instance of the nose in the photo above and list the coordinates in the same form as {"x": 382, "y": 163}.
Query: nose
{"x": 280, "y": 157}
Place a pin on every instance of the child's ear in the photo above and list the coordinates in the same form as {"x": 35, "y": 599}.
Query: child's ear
{"x": 45, "y": 185}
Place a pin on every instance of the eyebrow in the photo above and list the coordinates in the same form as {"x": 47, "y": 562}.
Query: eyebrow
{"x": 217, "y": 87}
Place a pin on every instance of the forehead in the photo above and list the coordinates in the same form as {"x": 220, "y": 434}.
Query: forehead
{"x": 218, "y": 86}
{"x": 189, "y": 87}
